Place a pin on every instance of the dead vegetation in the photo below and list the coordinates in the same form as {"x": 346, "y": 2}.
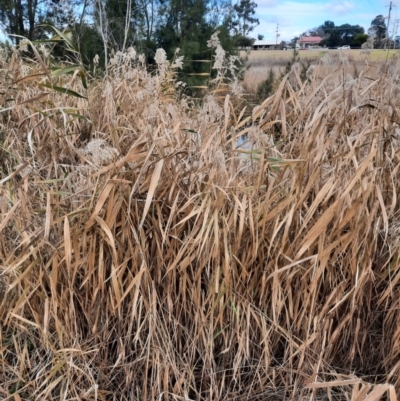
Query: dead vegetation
{"x": 144, "y": 256}
{"x": 260, "y": 64}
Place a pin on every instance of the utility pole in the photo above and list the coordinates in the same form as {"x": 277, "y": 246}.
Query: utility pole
{"x": 388, "y": 24}
{"x": 277, "y": 34}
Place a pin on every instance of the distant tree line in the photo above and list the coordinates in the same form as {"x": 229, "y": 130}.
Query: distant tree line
{"x": 101, "y": 27}
{"x": 352, "y": 35}
{"x": 342, "y": 35}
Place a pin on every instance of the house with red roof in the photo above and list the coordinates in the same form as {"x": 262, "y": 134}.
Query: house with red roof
{"x": 309, "y": 41}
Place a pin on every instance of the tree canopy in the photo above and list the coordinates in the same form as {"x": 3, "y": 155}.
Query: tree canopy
{"x": 106, "y": 26}
{"x": 378, "y": 28}
{"x": 341, "y": 35}
{"x": 26, "y": 17}
{"x": 245, "y": 16}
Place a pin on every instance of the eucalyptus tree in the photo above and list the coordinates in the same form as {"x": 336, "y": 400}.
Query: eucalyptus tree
{"x": 25, "y": 18}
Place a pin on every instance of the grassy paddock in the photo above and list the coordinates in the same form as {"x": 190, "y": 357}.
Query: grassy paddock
{"x": 377, "y": 54}
{"x": 144, "y": 256}
{"x": 260, "y": 62}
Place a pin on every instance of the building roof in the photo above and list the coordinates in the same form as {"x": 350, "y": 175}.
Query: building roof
{"x": 265, "y": 43}
{"x": 310, "y": 39}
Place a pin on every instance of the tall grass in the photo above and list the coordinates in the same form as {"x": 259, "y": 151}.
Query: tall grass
{"x": 260, "y": 64}
{"x": 144, "y": 256}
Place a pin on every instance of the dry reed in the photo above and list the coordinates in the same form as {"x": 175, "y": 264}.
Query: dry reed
{"x": 145, "y": 257}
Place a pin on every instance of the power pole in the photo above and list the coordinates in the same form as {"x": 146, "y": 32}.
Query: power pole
{"x": 277, "y": 34}
{"x": 388, "y": 24}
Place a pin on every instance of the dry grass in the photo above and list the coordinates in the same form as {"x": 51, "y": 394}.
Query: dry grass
{"x": 259, "y": 63}
{"x": 377, "y": 54}
{"x": 255, "y": 55}
{"x": 144, "y": 257}
{"x": 255, "y": 76}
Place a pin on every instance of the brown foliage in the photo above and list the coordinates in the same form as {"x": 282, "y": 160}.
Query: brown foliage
{"x": 163, "y": 263}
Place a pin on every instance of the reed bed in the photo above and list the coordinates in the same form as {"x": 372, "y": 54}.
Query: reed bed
{"x": 145, "y": 255}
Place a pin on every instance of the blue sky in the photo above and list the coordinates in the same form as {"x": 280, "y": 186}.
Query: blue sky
{"x": 296, "y": 16}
